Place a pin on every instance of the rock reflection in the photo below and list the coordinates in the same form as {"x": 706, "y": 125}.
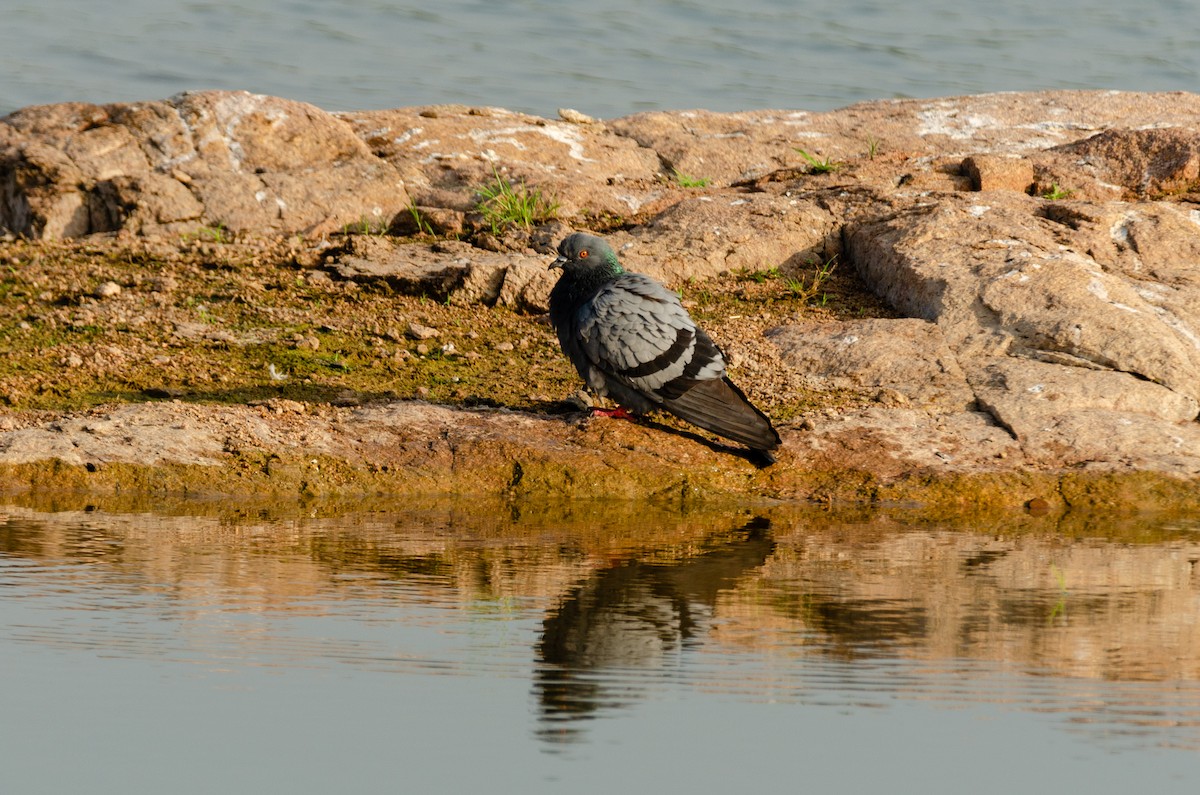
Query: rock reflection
{"x": 635, "y": 614}
{"x": 1095, "y": 621}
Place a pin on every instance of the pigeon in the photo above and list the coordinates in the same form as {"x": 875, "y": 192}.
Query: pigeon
{"x": 632, "y": 341}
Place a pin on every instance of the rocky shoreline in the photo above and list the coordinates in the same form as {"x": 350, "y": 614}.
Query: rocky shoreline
{"x": 1028, "y": 330}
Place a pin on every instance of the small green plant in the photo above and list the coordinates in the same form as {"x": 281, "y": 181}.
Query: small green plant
{"x": 334, "y": 362}
{"x": 365, "y": 226}
{"x": 202, "y": 311}
{"x": 423, "y": 226}
{"x": 810, "y": 289}
{"x": 687, "y": 181}
{"x": 217, "y": 233}
{"x": 815, "y": 166}
{"x": 503, "y": 204}
{"x": 758, "y": 277}
{"x": 1054, "y": 193}
{"x": 214, "y": 233}
{"x": 872, "y": 147}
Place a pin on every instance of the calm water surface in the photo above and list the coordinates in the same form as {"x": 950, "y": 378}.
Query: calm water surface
{"x": 216, "y": 649}
{"x": 605, "y": 57}
{"x": 211, "y": 649}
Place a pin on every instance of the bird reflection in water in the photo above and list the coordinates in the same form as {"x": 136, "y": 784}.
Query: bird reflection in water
{"x": 636, "y": 614}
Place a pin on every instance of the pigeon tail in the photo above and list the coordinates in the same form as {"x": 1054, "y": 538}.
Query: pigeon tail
{"x": 719, "y": 406}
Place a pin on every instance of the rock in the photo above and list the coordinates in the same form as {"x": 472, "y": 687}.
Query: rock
{"x": 417, "y": 331}
{"x": 1066, "y": 416}
{"x": 1007, "y": 385}
{"x": 445, "y": 158}
{"x": 1147, "y": 163}
{"x": 893, "y": 442}
{"x": 436, "y": 221}
{"x": 575, "y": 117}
{"x": 1001, "y": 278}
{"x": 411, "y": 269}
{"x": 704, "y": 236}
{"x": 998, "y": 172}
{"x": 1040, "y": 330}
{"x": 445, "y": 270}
{"x": 230, "y": 159}
{"x": 246, "y": 162}
{"x": 108, "y": 290}
{"x": 527, "y": 286}
{"x": 905, "y": 357}
{"x": 1085, "y": 353}
{"x": 149, "y": 433}
{"x": 732, "y": 147}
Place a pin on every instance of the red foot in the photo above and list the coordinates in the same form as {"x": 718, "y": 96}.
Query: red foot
{"x": 617, "y": 414}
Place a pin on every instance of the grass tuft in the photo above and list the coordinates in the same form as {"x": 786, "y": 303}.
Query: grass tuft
{"x": 214, "y": 233}
{"x": 812, "y": 288}
{"x": 872, "y": 147}
{"x": 423, "y": 227}
{"x": 688, "y": 181}
{"x": 503, "y": 204}
{"x": 1054, "y": 193}
{"x": 815, "y": 166}
{"x": 758, "y": 277}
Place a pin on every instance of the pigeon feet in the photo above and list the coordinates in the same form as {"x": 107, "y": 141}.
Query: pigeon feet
{"x": 618, "y": 413}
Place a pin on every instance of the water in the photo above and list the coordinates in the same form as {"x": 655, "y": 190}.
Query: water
{"x": 221, "y": 648}
{"x": 604, "y": 57}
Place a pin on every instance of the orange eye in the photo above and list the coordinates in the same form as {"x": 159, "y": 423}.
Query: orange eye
{"x": 583, "y": 254}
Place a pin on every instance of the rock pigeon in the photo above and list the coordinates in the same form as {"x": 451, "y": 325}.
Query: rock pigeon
{"x": 632, "y": 341}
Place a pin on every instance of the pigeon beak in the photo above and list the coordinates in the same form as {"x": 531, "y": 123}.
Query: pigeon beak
{"x": 559, "y": 262}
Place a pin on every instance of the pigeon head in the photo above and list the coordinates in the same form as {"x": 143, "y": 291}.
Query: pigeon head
{"x": 581, "y": 254}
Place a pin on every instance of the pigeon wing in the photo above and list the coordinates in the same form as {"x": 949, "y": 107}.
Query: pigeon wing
{"x": 719, "y": 406}
{"x": 637, "y": 333}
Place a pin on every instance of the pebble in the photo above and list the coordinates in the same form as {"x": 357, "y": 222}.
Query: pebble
{"x": 108, "y": 290}
{"x": 1037, "y": 506}
{"x": 420, "y": 332}
{"x": 575, "y": 117}
{"x": 504, "y": 346}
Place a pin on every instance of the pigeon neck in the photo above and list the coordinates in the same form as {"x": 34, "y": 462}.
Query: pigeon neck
{"x": 596, "y": 277}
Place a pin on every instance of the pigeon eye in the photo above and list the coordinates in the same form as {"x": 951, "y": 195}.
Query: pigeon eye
{"x": 583, "y": 254}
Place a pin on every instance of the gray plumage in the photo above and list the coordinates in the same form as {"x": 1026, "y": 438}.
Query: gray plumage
{"x": 632, "y": 341}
